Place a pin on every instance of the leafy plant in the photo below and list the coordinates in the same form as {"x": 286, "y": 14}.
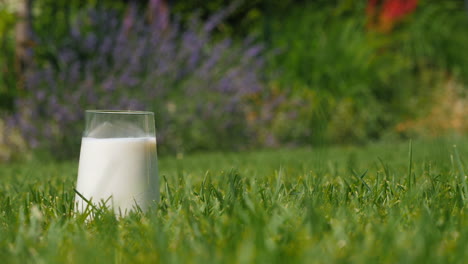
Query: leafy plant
{"x": 365, "y": 81}
{"x": 197, "y": 86}
{"x": 7, "y": 75}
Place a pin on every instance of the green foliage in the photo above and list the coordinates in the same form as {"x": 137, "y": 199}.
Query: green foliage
{"x": 51, "y": 23}
{"x": 327, "y": 206}
{"x": 53, "y": 20}
{"x": 344, "y": 82}
{"x": 243, "y": 19}
{"x": 436, "y": 38}
{"x": 7, "y": 77}
{"x": 364, "y": 82}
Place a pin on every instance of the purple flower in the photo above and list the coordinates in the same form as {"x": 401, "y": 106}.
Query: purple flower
{"x": 40, "y": 95}
{"x": 90, "y": 42}
{"x": 109, "y": 85}
{"x": 124, "y": 63}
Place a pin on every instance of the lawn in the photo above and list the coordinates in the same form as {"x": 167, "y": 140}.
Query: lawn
{"x": 383, "y": 203}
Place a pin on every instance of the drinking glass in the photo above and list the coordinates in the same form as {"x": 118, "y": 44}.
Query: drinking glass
{"x": 118, "y": 161}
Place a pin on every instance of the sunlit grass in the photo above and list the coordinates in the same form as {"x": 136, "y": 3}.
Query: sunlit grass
{"x": 384, "y": 203}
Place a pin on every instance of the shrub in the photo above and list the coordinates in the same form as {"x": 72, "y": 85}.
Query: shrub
{"x": 7, "y": 57}
{"x": 364, "y": 82}
{"x": 196, "y": 85}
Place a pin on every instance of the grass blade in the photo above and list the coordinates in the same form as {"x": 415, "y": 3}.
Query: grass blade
{"x": 410, "y": 165}
{"x": 461, "y": 172}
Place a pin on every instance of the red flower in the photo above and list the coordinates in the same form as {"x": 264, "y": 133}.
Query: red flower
{"x": 384, "y": 14}
{"x": 397, "y": 9}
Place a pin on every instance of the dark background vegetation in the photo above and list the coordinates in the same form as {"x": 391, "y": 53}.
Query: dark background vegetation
{"x": 234, "y": 75}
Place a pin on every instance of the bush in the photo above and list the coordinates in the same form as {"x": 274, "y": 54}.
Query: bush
{"x": 360, "y": 83}
{"x": 7, "y": 58}
{"x": 198, "y": 87}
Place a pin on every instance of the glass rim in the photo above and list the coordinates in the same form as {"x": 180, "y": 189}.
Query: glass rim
{"x": 120, "y": 112}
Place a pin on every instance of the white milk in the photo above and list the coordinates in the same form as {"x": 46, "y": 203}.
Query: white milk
{"x": 122, "y": 169}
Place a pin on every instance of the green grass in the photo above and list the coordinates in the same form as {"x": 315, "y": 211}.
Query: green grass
{"x": 378, "y": 204}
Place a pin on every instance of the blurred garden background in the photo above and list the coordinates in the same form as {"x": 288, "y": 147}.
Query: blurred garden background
{"x": 226, "y": 75}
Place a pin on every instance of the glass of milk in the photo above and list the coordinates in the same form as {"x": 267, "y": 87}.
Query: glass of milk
{"x": 118, "y": 162}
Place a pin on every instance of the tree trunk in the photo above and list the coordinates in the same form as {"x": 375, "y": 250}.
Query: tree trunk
{"x": 23, "y": 39}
